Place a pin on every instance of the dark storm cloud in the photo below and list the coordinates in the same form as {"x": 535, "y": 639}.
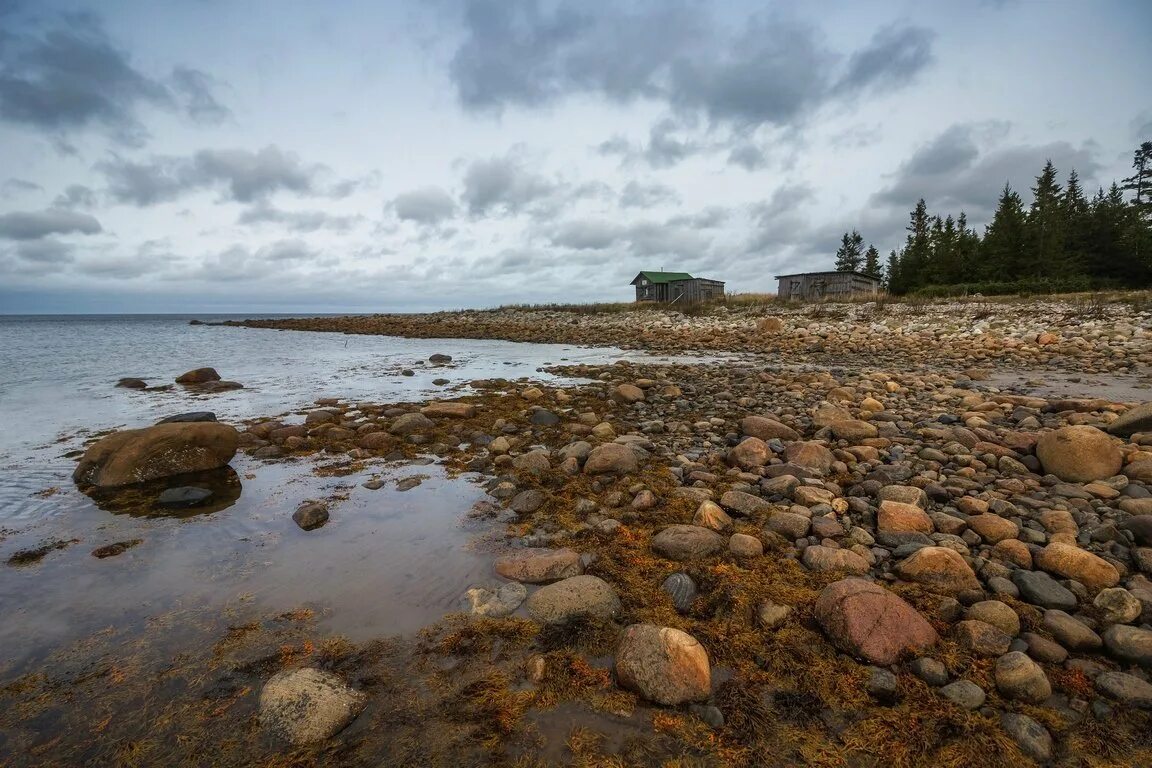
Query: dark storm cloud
{"x": 959, "y": 171}
{"x": 427, "y": 205}
{"x": 33, "y": 225}
{"x": 638, "y": 195}
{"x": 895, "y": 55}
{"x": 243, "y": 175}
{"x": 775, "y": 70}
{"x": 72, "y": 76}
{"x": 75, "y": 196}
{"x": 504, "y": 184}
{"x": 298, "y": 221}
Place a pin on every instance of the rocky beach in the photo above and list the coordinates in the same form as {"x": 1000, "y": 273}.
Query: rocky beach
{"x": 868, "y": 534}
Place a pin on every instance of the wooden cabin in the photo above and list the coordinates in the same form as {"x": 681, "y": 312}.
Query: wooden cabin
{"x": 678, "y": 287}
{"x": 814, "y": 286}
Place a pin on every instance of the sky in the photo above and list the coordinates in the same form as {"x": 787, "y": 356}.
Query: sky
{"x": 283, "y": 156}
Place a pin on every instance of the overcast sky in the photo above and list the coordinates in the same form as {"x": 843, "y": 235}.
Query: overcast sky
{"x": 235, "y": 155}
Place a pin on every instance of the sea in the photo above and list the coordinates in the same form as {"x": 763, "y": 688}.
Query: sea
{"x": 387, "y": 562}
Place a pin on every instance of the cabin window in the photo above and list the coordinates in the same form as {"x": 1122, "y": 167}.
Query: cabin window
{"x": 644, "y": 282}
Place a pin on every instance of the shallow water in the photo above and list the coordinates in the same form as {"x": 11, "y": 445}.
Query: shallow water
{"x": 387, "y": 562}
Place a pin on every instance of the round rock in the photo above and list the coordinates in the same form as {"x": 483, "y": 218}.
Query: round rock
{"x": 663, "y": 665}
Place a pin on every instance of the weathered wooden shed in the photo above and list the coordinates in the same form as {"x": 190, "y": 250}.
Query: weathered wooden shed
{"x": 813, "y": 286}
{"x": 681, "y": 287}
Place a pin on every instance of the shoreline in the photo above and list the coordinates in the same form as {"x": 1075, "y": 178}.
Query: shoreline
{"x": 802, "y": 462}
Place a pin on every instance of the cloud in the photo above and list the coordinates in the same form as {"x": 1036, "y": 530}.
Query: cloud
{"x": 637, "y": 195}
{"x": 504, "y": 184}
{"x": 33, "y": 225}
{"x": 773, "y": 70}
{"x": 287, "y": 250}
{"x": 12, "y": 187}
{"x": 195, "y": 87}
{"x": 75, "y": 196}
{"x": 45, "y": 252}
{"x": 299, "y": 221}
{"x": 587, "y": 235}
{"x": 72, "y": 77}
{"x": 748, "y": 156}
{"x": 965, "y": 166}
{"x": 895, "y": 55}
{"x": 427, "y": 205}
{"x": 242, "y": 175}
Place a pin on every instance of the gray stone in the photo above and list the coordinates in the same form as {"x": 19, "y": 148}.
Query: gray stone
{"x": 1069, "y": 632}
{"x": 1020, "y": 678}
{"x": 1039, "y": 588}
{"x": 881, "y": 685}
{"x": 687, "y": 542}
{"x": 311, "y": 515}
{"x": 496, "y": 604}
{"x": 190, "y": 416}
{"x": 185, "y": 496}
{"x": 681, "y": 589}
{"x": 1129, "y": 643}
{"x": 571, "y": 598}
{"x": 1125, "y": 688}
{"x": 964, "y": 693}
{"x": 929, "y": 670}
{"x": 307, "y": 705}
{"x": 1032, "y": 738}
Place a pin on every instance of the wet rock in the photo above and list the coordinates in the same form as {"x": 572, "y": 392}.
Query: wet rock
{"x": 981, "y": 638}
{"x": 896, "y": 517}
{"x": 440, "y": 359}
{"x": 1020, "y": 678}
{"x": 527, "y": 502}
{"x": 1138, "y": 419}
{"x": 1118, "y": 606}
{"x": 1079, "y": 454}
{"x": 710, "y": 515}
{"x": 939, "y": 569}
{"x": 744, "y": 504}
{"x": 449, "y": 410}
{"x": 311, "y": 515}
{"x": 767, "y": 429}
{"x": 533, "y": 462}
{"x": 852, "y": 430}
{"x": 198, "y": 376}
{"x": 868, "y": 621}
{"x": 752, "y": 452}
{"x": 1129, "y": 643}
{"x": 307, "y": 705}
{"x": 408, "y": 483}
{"x": 191, "y": 416}
{"x": 1071, "y": 562}
{"x": 882, "y": 685}
{"x": 788, "y": 524}
{"x": 628, "y": 394}
{"x": 116, "y": 548}
{"x": 411, "y": 423}
{"x": 996, "y": 613}
{"x": 681, "y": 589}
{"x": 992, "y": 528}
{"x": 577, "y": 596}
{"x": 964, "y": 693}
{"x": 544, "y": 418}
{"x": 662, "y": 664}
{"x": 1041, "y": 589}
{"x": 687, "y": 542}
{"x": 139, "y": 455}
{"x": 1069, "y": 632}
{"x": 184, "y": 496}
{"x": 811, "y": 455}
{"x": 1127, "y": 689}
{"x": 539, "y": 566}
{"x": 929, "y": 670}
{"x": 770, "y": 615}
{"x": 611, "y": 458}
{"x": 1032, "y": 738}
{"x": 496, "y": 604}
{"x": 743, "y": 545}
{"x": 130, "y": 383}
{"x": 821, "y": 558}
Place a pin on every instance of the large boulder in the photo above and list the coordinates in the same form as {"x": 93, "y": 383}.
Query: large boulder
{"x": 687, "y": 542}
{"x": 409, "y": 423}
{"x": 198, "y": 376}
{"x": 852, "y": 430}
{"x": 939, "y": 569}
{"x": 307, "y": 705}
{"x": 1079, "y": 454}
{"x": 572, "y": 598}
{"x": 897, "y": 517}
{"x": 810, "y": 455}
{"x": 1138, "y": 419}
{"x": 866, "y": 620}
{"x": 139, "y": 455}
{"x": 1071, "y": 562}
{"x": 611, "y": 459}
{"x": 821, "y": 558}
{"x": 767, "y": 429}
{"x": 663, "y": 665}
{"x": 752, "y": 452}
{"x": 538, "y": 566}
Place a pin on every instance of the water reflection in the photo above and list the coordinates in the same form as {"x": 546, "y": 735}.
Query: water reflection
{"x": 156, "y": 499}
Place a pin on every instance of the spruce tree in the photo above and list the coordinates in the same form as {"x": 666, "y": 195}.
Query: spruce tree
{"x": 1075, "y": 212}
{"x": 914, "y": 260}
{"x": 1045, "y": 227}
{"x": 1002, "y": 252}
{"x": 892, "y": 275}
{"x": 1140, "y": 182}
{"x": 849, "y": 256}
{"x": 872, "y": 261}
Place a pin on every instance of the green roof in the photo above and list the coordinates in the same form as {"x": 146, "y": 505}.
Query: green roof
{"x": 664, "y": 277}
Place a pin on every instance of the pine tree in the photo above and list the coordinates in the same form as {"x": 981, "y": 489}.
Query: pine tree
{"x": 1140, "y": 183}
{"x": 1075, "y": 212}
{"x": 850, "y": 255}
{"x": 914, "y": 260}
{"x": 1045, "y": 227}
{"x": 1002, "y": 252}
{"x": 872, "y": 261}
{"x": 892, "y": 274}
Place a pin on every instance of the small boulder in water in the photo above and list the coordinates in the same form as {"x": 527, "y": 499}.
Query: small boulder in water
{"x": 311, "y": 515}
{"x": 440, "y": 359}
{"x": 130, "y": 383}
{"x": 139, "y": 455}
{"x": 308, "y": 705}
{"x": 198, "y": 376}
{"x": 190, "y": 416}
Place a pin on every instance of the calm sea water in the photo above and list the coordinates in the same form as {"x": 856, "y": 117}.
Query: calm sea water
{"x": 387, "y": 562}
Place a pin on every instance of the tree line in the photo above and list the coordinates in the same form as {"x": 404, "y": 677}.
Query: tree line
{"x": 1063, "y": 241}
